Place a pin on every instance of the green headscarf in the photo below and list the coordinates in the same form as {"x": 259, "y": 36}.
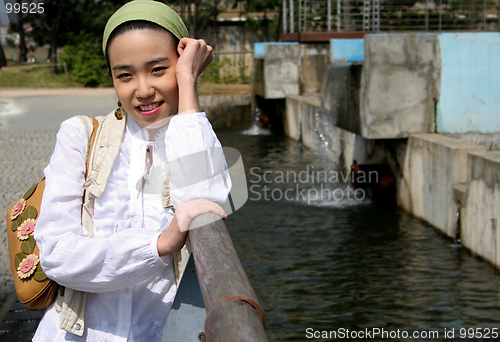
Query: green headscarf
{"x": 148, "y": 10}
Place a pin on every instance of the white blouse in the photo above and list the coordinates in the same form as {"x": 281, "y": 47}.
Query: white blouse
{"x": 130, "y": 287}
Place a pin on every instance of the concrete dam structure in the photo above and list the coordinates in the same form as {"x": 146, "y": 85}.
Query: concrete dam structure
{"x": 426, "y": 105}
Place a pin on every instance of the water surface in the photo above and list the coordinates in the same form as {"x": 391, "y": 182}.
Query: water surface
{"x": 326, "y": 265}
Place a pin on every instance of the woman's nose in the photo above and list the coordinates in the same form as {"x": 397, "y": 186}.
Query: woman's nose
{"x": 144, "y": 89}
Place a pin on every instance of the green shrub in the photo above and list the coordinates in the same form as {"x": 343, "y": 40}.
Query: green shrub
{"x": 85, "y": 61}
{"x": 224, "y": 70}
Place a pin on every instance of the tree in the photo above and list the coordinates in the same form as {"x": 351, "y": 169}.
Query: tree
{"x": 53, "y": 14}
{"x": 3, "y": 60}
{"x": 19, "y": 28}
{"x": 62, "y": 19}
{"x": 197, "y": 14}
{"x": 261, "y": 6}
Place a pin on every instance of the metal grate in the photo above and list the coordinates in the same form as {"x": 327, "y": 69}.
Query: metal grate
{"x": 390, "y": 15}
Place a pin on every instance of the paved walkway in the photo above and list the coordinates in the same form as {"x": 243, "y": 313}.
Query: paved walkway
{"x": 29, "y": 120}
{"x": 45, "y": 109}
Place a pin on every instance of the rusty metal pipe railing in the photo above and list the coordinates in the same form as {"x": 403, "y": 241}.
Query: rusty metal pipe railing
{"x": 233, "y": 311}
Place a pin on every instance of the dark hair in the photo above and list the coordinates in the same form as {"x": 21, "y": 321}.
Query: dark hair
{"x": 137, "y": 25}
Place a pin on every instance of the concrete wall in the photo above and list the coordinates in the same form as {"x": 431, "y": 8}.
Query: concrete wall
{"x": 315, "y": 59}
{"x": 227, "y": 111}
{"x": 350, "y": 50}
{"x": 426, "y": 82}
{"x": 300, "y": 120}
{"x": 481, "y": 215}
{"x": 433, "y": 165}
{"x": 404, "y": 78}
{"x": 400, "y": 84}
{"x": 283, "y": 69}
{"x": 443, "y": 176}
{"x": 470, "y": 83}
{"x": 278, "y": 71}
{"x": 406, "y": 83}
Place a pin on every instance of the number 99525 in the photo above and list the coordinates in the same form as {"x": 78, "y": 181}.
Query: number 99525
{"x": 24, "y": 8}
{"x": 479, "y": 333}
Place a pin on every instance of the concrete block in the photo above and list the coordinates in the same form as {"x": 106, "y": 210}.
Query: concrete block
{"x": 460, "y": 194}
{"x": 292, "y": 126}
{"x": 227, "y": 111}
{"x": 308, "y": 122}
{"x": 433, "y": 165}
{"x": 349, "y": 50}
{"x": 400, "y": 85}
{"x": 480, "y": 225}
{"x": 278, "y": 73}
{"x": 300, "y": 123}
{"x": 469, "y": 100}
{"x": 314, "y": 64}
{"x": 259, "y": 48}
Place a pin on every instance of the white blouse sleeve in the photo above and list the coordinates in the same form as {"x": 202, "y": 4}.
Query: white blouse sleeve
{"x": 68, "y": 254}
{"x": 196, "y": 160}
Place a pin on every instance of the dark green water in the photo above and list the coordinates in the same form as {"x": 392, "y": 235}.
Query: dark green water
{"x": 331, "y": 265}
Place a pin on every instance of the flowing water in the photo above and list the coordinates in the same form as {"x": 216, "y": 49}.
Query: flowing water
{"x": 322, "y": 263}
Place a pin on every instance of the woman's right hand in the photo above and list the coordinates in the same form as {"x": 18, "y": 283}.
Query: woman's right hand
{"x": 174, "y": 237}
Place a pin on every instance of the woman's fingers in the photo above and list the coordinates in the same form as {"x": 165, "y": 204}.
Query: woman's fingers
{"x": 172, "y": 239}
{"x": 186, "y": 212}
{"x": 195, "y": 56}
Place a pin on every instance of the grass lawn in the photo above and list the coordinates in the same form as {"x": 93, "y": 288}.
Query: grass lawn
{"x": 33, "y": 75}
{"x": 29, "y": 75}
{"x": 205, "y": 88}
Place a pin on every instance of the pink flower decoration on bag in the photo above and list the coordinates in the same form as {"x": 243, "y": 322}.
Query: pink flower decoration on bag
{"x": 18, "y": 209}
{"x": 26, "y": 229}
{"x": 27, "y": 266}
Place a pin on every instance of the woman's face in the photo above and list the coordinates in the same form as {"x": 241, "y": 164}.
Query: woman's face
{"x": 142, "y": 64}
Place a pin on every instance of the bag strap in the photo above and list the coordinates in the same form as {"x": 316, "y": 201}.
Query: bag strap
{"x": 90, "y": 146}
{"x": 88, "y": 224}
{"x": 92, "y": 127}
{"x": 95, "y": 126}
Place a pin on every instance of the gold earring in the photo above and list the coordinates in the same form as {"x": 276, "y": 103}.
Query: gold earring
{"x": 119, "y": 113}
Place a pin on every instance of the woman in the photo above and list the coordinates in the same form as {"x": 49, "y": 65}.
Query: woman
{"x": 126, "y": 267}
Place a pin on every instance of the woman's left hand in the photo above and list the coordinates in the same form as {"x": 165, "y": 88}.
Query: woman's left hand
{"x": 174, "y": 237}
{"x": 195, "y": 56}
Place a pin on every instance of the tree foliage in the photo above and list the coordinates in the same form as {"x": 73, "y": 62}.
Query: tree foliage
{"x": 77, "y": 25}
{"x": 83, "y": 57}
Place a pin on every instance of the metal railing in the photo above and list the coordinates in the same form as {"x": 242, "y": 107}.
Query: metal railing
{"x": 389, "y": 15}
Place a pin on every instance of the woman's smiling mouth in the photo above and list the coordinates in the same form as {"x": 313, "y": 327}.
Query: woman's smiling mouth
{"x": 150, "y": 109}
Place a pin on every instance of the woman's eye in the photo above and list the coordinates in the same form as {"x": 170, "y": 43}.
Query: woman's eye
{"x": 159, "y": 69}
{"x": 125, "y": 74}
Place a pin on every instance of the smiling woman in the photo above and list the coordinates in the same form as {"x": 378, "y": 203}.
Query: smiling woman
{"x": 143, "y": 65}
{"x": 118, "y": 270}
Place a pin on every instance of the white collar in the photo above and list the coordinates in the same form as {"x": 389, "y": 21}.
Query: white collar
{"x": 150, "y": 132}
